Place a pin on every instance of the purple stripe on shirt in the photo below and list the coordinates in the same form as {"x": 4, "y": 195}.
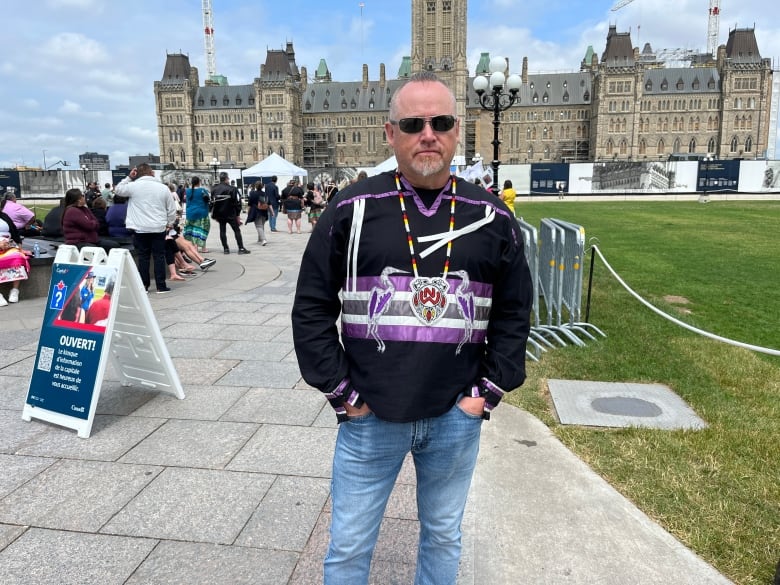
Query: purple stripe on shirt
{"x": 419, "y": 334}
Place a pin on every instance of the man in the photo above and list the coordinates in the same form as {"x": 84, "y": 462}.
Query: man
{"x": 23, "y": 218}
{"x": 150, "y": 212}
{"x": 107, "y": 194}
{"x": 429, "y": 276}
{"x": 227, "y": 211}
{"x": 92, "y": 192}
{"x": 272, "y": 192}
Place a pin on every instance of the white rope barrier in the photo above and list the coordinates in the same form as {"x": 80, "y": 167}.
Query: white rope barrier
{"x": 677, "y": 321}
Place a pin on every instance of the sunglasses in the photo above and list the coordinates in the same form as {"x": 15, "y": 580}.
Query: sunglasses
{"x": 415, "y": 125}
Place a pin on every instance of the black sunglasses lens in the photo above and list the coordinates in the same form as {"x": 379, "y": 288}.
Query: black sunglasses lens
{"x": 442, "y": 123}
{"x": 411, "y": 125}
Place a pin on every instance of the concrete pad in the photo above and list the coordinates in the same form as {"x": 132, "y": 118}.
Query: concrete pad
{"x": 192, "y": 443}
{"x": 285, "y": 518}
{"x": 12, "y": 356}
{"x": 258, "y": 373}
{"x": 18, "y": 433}
{"x": 288, "y": 450}
{"x": 13, "y": 392}
{"x": 255, "y": 350}
{"x": 244, "y": 319}
{"x": 196, "y": 348}
{"x": 9, "y": 533}
{"x": 198, "y": 505}
{"x": 209, "y": 564}
{"x": 112, "y": 437}
{"x": 22, "y": 368}
{"x": 18, "y": 469}
{"x": 68, "y": 558}
{"x": 285, "y": 407}
{"x": 75, "y": 495}
{"x": 195, "y": 371}
{"x": 20, "y": 338}
{"x": 122, "y": 400}
{"x": 621, "y": 404}
{"x": 201, "y": 403}
{"x": 553, "y": 520}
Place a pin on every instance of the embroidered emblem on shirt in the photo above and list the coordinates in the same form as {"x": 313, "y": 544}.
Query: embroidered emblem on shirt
{"x": 429, "y": 298}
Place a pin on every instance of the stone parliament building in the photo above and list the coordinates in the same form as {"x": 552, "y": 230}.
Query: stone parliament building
{"x": 625, "y": 105}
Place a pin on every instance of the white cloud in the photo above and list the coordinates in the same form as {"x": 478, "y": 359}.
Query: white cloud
{"x": 69, "y": 107}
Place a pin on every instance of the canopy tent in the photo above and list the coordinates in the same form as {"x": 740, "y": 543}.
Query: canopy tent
{"x": 272, "y": 165}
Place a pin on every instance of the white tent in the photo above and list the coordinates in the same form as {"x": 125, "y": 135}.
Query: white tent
{"x": 272, "y": 165}
{"x": 389, "y": 165}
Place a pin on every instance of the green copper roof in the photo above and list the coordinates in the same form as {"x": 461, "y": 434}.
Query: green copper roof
{"x": 405, "y": 70}
{"x": 322, "y": 70}
{"x": 483, "y": 67}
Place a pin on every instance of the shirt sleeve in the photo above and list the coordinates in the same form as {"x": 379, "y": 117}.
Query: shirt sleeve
{"x": 503, "y": 366}
{"x": 316, "y": 309}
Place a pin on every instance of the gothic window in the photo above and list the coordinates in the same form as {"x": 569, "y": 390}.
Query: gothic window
{"x": 692, "y": 145}
{"x": 343, "y": 104}
{"x": 326, "y": 105}
{"x": 528, "y": 134}
{"x": 676, "y": 146}
{"x": 545, "y": 133}
{"x": 225, "y": 101}
{"x": 565, "y": 96}
{"x": 545, "y": 98}
{"x": 664, "y": 85}
{"x": 535, "y": 99}
{"x": 749, "y": 144}
{"x": 661, "y": 147}
{"x": 546, "y": 153}
{"x": 170, "y": 156}
{"x": 353, "y": 104}
{"x": 642, "y": 146}
{"x": 446, "y": 5}
{"x": 696, "y": 83}
{"x": 308, "y": 105}
{"x": 227, "y": 156}
{"x": 200, "y": 155}
{"x": 680, "y": 84}
{"x": 371, "y": 104}
{"x": 251, "y": 101}
{"x": 623, "y": 146}
{"x": 238, "y": 101}
{"x": 213, "y": 101}
{"x": 711, "y": 145}
{"x": 711, "y": 83}
{"x": 430, "y": 5}
{"x": 586, "y": 96}
{"x": 201, "y": 101}
{"x": 609, "y": 147}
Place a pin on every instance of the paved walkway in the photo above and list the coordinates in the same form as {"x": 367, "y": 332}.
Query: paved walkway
{"x": 231, "y": 484}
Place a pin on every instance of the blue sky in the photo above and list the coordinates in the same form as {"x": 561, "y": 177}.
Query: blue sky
{"x": 78, "y": 75}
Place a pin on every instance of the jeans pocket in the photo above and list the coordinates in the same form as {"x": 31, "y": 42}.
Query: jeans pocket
{"x": 468, "y": 414}
{"x": 360, "y": 419}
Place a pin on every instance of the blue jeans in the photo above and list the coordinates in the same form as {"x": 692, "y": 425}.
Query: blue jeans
{"x": 272, "y": 218}
{"x": 369, "y": 453}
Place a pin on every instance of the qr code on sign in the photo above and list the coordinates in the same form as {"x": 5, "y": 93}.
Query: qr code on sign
{"x": 45, "y": 358}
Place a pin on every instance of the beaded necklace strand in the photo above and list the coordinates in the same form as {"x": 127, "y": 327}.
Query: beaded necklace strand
{"x": 409, "y": 238}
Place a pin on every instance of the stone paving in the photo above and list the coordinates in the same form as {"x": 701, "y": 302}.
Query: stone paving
{"x": 230, "y": 485}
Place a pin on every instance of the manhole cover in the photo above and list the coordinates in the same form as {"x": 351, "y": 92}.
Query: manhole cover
{"x": 623, "y": 406}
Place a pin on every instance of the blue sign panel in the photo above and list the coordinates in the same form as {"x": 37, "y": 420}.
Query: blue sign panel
{"x": 72, "y": 335}
{"x": 718, "y": 176}
{"x": 549, "y": 179}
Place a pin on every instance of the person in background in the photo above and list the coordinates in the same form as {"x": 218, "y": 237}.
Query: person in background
{"x": 92, "y": 192}
{"x": 272, "y": 192}
{"x": 52, "y": 223}
{"x": 99, "y": 211}
{"x": 227, "y": 211}
{"x": 259, "y": 209}
{"x": 508, "y": 195}
{"x": 315, "y": 202}
{"x": 115, "y": 218}
{"x": 197, "y": 224}
{"x": 429, "y": 277}
{"x": 14, "y": 265}
{"x": 293, "y": 206}
{"x": 98, "y": 311}
{"x": 23, "y": 218}
{"x": 150, "y": 212}
{"x": 79, "y": 225}
{"x": 107, "y": 194}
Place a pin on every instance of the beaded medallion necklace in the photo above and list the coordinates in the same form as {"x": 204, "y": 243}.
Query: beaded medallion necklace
{"x": 429, "y": 295}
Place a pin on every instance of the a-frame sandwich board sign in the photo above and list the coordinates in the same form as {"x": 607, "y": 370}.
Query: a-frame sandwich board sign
{"x": 97, "y": 310}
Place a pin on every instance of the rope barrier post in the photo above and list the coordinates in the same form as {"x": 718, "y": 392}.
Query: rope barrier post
{"x": 590, "y": 284}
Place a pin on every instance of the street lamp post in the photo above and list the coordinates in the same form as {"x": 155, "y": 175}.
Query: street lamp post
{"x": 707, "y": 160}
{"x": 497, "y": 100}
{"x": 215, "y": 166}
{"x": 84, "y": 170}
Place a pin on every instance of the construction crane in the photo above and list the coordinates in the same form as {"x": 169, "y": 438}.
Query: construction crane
{"x": 713, "y": 23}
{"x": 208, "y": 33}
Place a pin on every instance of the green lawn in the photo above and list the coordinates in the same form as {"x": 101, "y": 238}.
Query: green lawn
{"x": 717, "y": 490}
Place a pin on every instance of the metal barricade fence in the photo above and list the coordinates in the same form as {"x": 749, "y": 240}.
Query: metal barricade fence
{"x": 572, "y": 250}
{"x": 552, "y": 262}
{"x": 530, "y": 242}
